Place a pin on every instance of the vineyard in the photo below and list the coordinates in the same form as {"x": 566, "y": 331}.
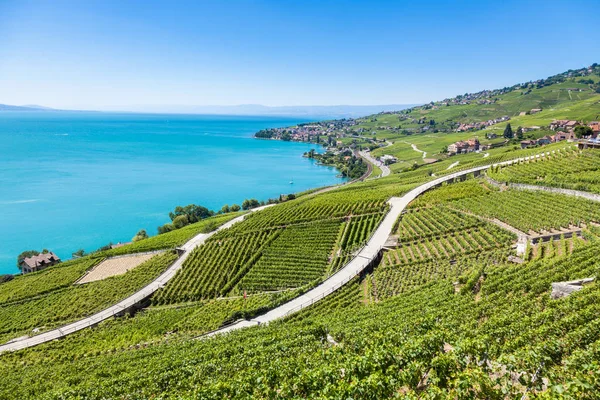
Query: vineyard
{"x": 38, "y": 283}
{"x": 508, "y": 326}
{"x": 299, "y": 256}
{"x": 355, "y": 233}
{"x": 433, "y": 221}
{"x": 210, "y": 268}
{"x": 172, "y": 239}
{"x": 75, "y": 301}
{"x": 391, "y": 280}
{"x": 468, "y": 241}
{"x": 532, "y": 211}
{"x": 568, "y": 170}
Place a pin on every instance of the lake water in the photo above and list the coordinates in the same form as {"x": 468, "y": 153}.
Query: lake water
{"x": 71, "y": 180}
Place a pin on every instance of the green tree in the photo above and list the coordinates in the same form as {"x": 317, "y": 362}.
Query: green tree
{"x": 250, "y": 203}
{"x": 26, "y": 254}
{"x": 581, "y": 131}
{"x": 508, "y": 132}
{"x": 79, "y": 253}
{"x": 520, "y": 133}
{"x": 235, "y": 208}
{"x": 181, "y": 221}
{"x": 141, "y": 235}
{"x": 225, "y": 209}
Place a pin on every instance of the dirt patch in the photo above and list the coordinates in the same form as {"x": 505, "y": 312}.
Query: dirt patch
{"x": 115, "y": 266}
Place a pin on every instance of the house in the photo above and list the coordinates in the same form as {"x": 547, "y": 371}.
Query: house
{"x": 39, "y": 262}
{"x": 387, "y": 159}
{"x": 522, "y": 113}
{"x": 491, "y": 136}
{"x": 464, "y": 146}
{"x": 595, "y": 128}
{"x": 544, "y": 140}
{"x": 535, "y": 110}
{"x": 563, "y": 124}
{"x": 528, "y": 143}
{"x": 560, "y": 136}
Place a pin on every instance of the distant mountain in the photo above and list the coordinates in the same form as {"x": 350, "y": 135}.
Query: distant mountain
{"x": 339, "y": 111}
{"x": 6, "y": 107}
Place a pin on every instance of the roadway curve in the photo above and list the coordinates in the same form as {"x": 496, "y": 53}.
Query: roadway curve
{"x": 365, "y": 257}
{"x": 362, "y": 260}
{"x": 125, "y": 304}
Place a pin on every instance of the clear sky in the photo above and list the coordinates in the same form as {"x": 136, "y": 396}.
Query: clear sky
{"x": 98, "y": 54}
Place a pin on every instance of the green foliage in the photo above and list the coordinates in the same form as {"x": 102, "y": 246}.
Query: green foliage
{"x": 508, "y": 133}
{"x": 60, "y": 306}
{"x": 141, "y": 235}
{"x": 533, "y": 210}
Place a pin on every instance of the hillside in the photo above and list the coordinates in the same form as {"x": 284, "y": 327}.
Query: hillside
{"x": 458, "y": 302}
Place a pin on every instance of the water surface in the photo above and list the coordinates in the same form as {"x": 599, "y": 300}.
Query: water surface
{"x": 71, "y": 180}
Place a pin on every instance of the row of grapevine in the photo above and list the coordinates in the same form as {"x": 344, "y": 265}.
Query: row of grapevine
{"x": 569, "y": 170}
{"x": 533, "y": 210}
{"x": 48, "y": 280}
{"x": 357, "y": 231}
{"x": 433, "y": 221}
{"x": 76, "y": 301}
{"x": 299, "y": 255}
{"x": 211, "y": 267}
{"x": 472, "y": 240}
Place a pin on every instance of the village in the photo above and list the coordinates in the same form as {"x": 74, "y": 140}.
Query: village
{"x": 564, "y": 130}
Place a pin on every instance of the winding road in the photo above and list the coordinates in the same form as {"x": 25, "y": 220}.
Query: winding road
{"x": 362, "y": 260}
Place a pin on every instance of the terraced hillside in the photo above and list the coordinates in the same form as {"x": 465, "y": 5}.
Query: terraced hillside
{"x": 451, "y": 310}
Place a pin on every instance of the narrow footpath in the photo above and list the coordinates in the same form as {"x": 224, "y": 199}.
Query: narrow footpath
{"x": 362, "y": 260}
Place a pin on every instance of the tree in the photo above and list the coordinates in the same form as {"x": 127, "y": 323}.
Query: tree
{"x": 250, "y": 203}
{"x": 520, "y": 133}
{"x": 181, "y": 221}
{"x": 234, "y": 208}
{"x": 225, "y": 209}
{"x": 194, "y": 213}
{"x": 79, "y": 253}
{"x": 582, "y": 130}
{"x": 141, "y": 235}
{"x": 508, "y": 132}
{"x": 165, "y": 228}
{"x": 26, "y": 254}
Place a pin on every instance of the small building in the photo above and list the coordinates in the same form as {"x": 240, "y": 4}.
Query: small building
{"x": 560, "y": 136}
{"x": 467, "y": 146}
{"x": 544, "y": 140}
{"x": 39, "y": 262}
{"x": 387, "y": 159}
{"x": 491, "y": 136}
{"x": 595, "y": 128}
{"x": 535, "y": 110}
{"x": 528, "y": 143}
{"x": 563, "y": 124}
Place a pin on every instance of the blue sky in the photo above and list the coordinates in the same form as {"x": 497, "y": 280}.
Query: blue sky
{"x": 102, "y": 54}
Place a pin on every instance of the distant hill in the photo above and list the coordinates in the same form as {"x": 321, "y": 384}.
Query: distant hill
{"x": 7, "y": 107}
{"x": 338, "y": 111}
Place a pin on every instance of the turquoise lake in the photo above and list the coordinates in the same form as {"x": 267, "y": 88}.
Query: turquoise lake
{"x": 71, "y": 180}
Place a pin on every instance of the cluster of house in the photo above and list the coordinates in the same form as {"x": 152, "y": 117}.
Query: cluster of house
{"x": 39, "y": 262}
{"x": 466, "y": 146}
{"x": 565, "y": 130}
{"x": 481, "y": 125}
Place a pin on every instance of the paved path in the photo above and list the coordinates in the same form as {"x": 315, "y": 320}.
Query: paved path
{"x": 123, "y": 305}
{"x": 349, "y": 271}
{"x": 358, "y": 263}
{"x": 385, "y": 171}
